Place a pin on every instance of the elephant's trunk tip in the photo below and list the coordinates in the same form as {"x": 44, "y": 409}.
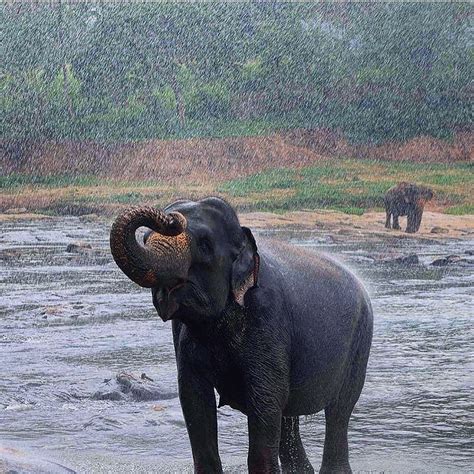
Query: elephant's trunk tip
{"x": 143, "y": 264}
{"x": 177, "y": 223}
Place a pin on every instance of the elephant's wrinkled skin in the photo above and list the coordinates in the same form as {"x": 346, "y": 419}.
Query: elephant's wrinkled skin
{"x": 406, "y": 199}
{"x": 277, "y": 330}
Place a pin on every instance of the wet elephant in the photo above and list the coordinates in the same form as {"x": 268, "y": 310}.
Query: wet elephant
{"x": 406, "y": 199}
{"x": 277, "y": 330}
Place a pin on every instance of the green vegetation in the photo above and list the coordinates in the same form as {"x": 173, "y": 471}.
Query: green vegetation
{"x": 51, "y": 181}
{"x": 348, "y": 185}
{"x": 123, "y": 71}
{"x": 460, "y": 210}
{"x": 351, "y": 186}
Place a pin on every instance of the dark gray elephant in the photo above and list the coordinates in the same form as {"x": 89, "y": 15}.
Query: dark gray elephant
{"x": 278, "y": 331}
{"x": 406, "y": 199}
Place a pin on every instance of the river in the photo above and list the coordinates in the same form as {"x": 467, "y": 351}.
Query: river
{"x": 69, "y": 322}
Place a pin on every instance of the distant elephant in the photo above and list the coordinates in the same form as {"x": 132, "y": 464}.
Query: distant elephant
{"x": 277, "y": 330}
{"x": 406, "y": 199}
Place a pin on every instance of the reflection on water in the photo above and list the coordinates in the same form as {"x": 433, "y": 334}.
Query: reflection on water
{"x": 69, "y": 322}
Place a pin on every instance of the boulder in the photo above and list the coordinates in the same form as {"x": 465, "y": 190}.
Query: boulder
{"x": 439, "y": 230}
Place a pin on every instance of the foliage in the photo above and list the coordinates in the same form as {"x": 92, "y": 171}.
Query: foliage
{"x": 121, "y": 71}
{"x": 460, "y": 210}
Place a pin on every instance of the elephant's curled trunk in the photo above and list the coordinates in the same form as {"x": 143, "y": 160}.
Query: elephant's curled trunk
{"x": 165, "y": 258}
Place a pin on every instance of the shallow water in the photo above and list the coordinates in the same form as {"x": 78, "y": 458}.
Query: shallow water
{"x": 68, "y": 322}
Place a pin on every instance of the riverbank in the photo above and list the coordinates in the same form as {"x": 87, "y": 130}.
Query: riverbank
{"x": 347, "y": 185}
{"x": 281, "y": 172}
{"x": 339, "y": 225}
{"x": 370, "y": 225}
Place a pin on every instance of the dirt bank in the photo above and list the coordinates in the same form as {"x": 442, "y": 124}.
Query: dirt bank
{"x": 419, "y": 149}
{"x": 215, "y": 160}
{"x": 183, "y": 161}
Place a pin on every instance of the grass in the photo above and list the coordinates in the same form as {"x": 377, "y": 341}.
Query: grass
{"x": 52, "y": 181}
{"x": 351, "y": 186}
{"x": 348, "y": 185}
{"x": 460, "y": 210}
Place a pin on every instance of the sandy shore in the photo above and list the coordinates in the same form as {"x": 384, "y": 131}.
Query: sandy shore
{"x": 435, "y": 225}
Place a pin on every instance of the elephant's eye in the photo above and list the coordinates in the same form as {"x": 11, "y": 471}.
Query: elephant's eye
{"x": 205, "y": 245}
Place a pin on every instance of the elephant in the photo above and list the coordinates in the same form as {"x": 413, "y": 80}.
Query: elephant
{"x": 406, "y": 199}
{"x": 276, "y": 330}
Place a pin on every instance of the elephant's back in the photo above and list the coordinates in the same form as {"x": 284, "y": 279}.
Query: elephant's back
{"x": 318, "y": 275}
{"x": 327, "y": 305}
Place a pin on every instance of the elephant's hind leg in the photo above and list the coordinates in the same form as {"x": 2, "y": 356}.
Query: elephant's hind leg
{"x": 338, "y": 413}
{"x": 387, "y": 220}
{"x": 336, "y": 448}
{"x": 292, "y": 454}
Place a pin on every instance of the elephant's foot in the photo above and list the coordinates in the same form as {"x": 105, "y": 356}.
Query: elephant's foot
{"x": 336, "y": 469}
{"x": 297, "y": 466}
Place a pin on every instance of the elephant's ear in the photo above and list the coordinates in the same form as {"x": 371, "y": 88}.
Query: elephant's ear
{"x": 245, "y": 268}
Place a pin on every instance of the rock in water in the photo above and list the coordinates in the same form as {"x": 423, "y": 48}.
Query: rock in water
{"x": 403, "y": 260}
{"x": 78, "y": 247}
{"x": 113, "y": 396}
{"x": 128, "y": 387}
{"x": 450, "y": 260}
{"x": 89, "y": 218}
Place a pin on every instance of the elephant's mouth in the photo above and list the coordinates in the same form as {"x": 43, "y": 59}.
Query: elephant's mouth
{"x": 165, "y": 301}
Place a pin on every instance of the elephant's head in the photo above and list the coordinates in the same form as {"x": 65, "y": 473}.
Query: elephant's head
{"x": 417, "y": 195}
{"x": 197, "y": 258}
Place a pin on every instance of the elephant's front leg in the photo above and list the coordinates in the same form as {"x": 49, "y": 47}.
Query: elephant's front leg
{"x": 411, "y": 222}
{"x": 267, "y": 394}
{"x": 266, "y": 377}
{"x": 198, "y": 402}
{"x": 396, "y": 224}
{"x": 264, "y": 440}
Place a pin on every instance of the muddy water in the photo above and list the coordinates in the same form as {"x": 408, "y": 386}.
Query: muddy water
{"x": 70, "y": 322}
